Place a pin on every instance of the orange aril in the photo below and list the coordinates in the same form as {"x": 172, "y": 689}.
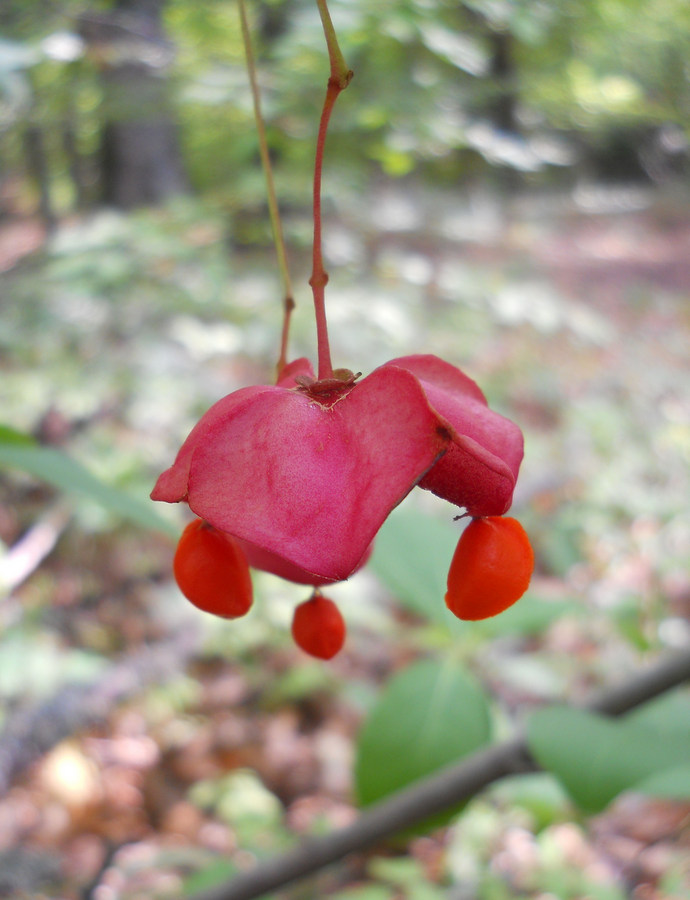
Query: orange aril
{"x": 491, "y": 568}
{"x": 212, "y": 572}
{"x": 318, "y": 627}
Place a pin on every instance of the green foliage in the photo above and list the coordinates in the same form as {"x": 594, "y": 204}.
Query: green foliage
{"x": 672, "y": 783}
{"x": 540, "y": 795}
{"x": 241, "y": 800}
{"x": 411, "y": 557}
{"x": 427, "y": 716}
{"x": 596, "y": 758}
{"x": 34, "y": 665}
{"x": 18, "y": 451}
{"x": 530, "y": 616}
{"x": 408, "y": 876}
{"x": 367, "y": 892}
{"x": 590, "y": 77}
{"x": 210, "y": 875}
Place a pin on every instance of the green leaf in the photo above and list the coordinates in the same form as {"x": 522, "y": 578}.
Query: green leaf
{"x": 408, "y": 875}
{"x": 530, "y": 615}
{"x": 35, "y": 665}
{"x": 403, "y": 871}
{"x": 240, "y": 799}
{"x": 670, "y": 784}
{"x": 17, "y": 451}
{"x": 428, "y": 716}
{"x": 215, "y": 873}
{"x": 367, "y": 892}
{"x": 596, "y": 758}
{"x": 539, "y": 793}
{"x": 9, "y": 435}
{"x": 669, "y": 713}
{"x": 411, "y": 557}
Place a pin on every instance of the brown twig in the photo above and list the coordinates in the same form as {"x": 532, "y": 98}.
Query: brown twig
{"x": 24, "y": 557}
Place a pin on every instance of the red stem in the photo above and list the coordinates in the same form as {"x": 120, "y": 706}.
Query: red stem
{"x": 319, "y": 276}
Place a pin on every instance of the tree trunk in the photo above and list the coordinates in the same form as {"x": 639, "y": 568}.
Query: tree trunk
{"x": 503, "y": 77}
{"x": 140, "y": 162}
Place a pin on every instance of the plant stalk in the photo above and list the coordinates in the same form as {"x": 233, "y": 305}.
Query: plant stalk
{"x": 340, "y": 77}
{"x": 276, "y": 224}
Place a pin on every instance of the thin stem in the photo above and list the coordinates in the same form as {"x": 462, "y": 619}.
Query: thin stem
{"x": 276, "y": 225}
{"x": 319, "y": 276}
{"x": 339, "y": 79}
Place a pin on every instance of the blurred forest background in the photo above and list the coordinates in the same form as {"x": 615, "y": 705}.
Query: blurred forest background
{"x": 506, "y": 185}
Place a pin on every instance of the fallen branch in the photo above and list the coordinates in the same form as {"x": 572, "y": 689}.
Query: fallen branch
{"x": 24, "y": 557}
{"x": 436, "y": 793}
